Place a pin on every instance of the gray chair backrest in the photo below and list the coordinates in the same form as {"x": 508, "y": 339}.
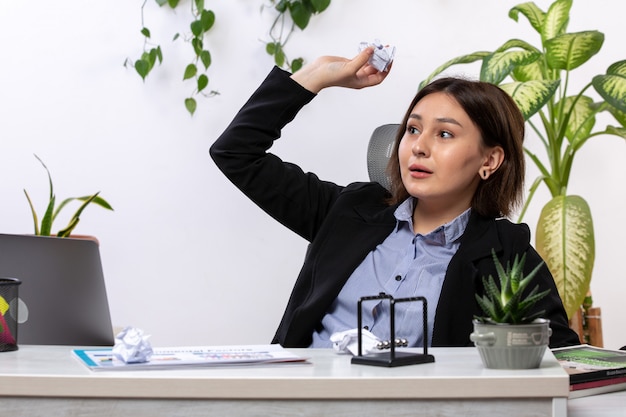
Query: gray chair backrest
{"x": 378, "y": 153}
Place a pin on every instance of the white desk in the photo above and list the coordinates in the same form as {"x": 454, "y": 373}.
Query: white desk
{"x": 605, "y": 405}
{"x": 48, "y": 381}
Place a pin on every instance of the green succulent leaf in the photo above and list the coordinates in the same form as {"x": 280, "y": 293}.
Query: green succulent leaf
{"x": 565, "y": 240}
{"x": 570, "y": 50}
{"x": 612, "y": 86}
{"x": 508, "y": 303}
{"x": 531, "y": 96}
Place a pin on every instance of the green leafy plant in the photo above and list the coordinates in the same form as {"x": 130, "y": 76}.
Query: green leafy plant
{"x": 44, "y": 228}
{"x": 202, "y": 21}
{"x": 539, "y": 80}
{"x": 506, "y": 303}
{"x": 291, "y": 14}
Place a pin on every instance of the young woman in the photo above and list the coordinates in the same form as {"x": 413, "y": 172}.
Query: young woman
{"x": 457, "y": 170}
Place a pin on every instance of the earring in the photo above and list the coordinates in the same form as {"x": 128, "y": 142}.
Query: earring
{"x": 485, "y": 174}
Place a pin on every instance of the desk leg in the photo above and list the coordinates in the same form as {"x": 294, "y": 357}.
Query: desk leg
{"x": 559, "y": 407}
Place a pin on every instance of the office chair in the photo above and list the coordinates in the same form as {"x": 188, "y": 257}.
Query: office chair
{"x": 378, "y": 152}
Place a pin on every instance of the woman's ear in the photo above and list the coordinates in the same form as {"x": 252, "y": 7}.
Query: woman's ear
{"x": 493, "y": 159}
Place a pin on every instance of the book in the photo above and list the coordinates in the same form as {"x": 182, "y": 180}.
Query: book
{"x": 585, "y": 363}
{"x": 98, "y": 359}
{"x": 601, "y": 386}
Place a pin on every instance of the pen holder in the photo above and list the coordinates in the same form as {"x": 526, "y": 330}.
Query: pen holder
{"x": 8, "y": 313}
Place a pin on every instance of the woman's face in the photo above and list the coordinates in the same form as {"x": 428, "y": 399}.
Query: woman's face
{"x": 441, "y": 154}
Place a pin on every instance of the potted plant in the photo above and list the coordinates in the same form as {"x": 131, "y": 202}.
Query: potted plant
{"x": 44, "y": 228}
{"x": 538, "y": 79}
{"x": 509, "y": 336}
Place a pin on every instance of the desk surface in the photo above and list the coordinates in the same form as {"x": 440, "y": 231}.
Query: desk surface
{"x": 52, "y": 371}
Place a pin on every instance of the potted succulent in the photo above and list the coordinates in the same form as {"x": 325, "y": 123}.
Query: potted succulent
{"x": 540, "y": 80}
{"x": 510, "y": 335}
{"x": 44, "y": 228}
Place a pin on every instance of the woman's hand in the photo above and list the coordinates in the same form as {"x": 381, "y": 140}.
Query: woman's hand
{"x": 332, "y": 71}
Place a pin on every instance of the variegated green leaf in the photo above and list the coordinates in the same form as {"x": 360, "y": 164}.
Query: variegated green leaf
{"x": 565, "y": 240}
{"x": 556, "y": 19}
{"x": 620, "y": 116}
{"x": 570, "y": 50}
{"x": 534, "y": 14}
{"x": 464, "y": 59}
{"x": 499, "y": 65}
{"x": 612, "y": 86}
{"x": 532, "y": 71}
{"x": 530, "y": 96}
{"x": 581, "y": 118}
{"x": 617, "y": 131}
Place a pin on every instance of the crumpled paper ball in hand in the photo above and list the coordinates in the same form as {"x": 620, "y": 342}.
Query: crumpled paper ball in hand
{"x": 383, "y": 55}
{"x": 348, "y": 341}
{"x": 131, "y": 346}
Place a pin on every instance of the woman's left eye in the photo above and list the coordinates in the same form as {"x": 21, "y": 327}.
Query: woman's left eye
{"x": 445, "y": 134}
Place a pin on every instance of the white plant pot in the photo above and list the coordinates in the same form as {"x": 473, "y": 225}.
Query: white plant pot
{"x": 512, "y": 346}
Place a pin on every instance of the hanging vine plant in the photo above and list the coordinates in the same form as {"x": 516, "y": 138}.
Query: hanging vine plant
{"x": 290, "y": 14}
{"x": 202, "y": 21}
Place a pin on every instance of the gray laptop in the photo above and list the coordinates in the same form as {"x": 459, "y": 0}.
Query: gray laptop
{"x": 63, "y": 297}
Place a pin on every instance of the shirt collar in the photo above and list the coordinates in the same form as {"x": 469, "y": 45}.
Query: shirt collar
{"x": 446, "y": 233}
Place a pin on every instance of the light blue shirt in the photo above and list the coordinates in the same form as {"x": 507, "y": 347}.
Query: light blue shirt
{"x": 405, "y": 264}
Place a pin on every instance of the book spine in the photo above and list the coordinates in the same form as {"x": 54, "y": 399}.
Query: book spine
{"x": 597, "y": 375}
{"x": 598, "y": 383}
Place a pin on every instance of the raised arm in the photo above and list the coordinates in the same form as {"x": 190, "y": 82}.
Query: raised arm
{"x": 333, "y": 71}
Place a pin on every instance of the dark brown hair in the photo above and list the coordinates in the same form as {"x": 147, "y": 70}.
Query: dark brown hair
{"x": 500, "y": 123}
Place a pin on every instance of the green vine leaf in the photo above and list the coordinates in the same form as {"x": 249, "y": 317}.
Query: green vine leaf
{"x": 196, "y": 28}
{"x": 190, "y": 105}
{"x": 300, "y": 14}
{"x": 203, "y": 81}
{"x": 143, "y": 68}
{"x": 320, "y": 5}
{"x": 208, "y": 19}
{"x": 145, "y": 32}
{"x": 205, "y": 57}
{"x": 190, "y": 71}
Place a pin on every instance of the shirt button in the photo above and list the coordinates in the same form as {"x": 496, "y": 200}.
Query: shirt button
{"x": 366, "y": 327}
{"x": 398, "y": 278}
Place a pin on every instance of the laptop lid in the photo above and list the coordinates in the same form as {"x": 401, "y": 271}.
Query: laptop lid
{"x": 63, "y": 298}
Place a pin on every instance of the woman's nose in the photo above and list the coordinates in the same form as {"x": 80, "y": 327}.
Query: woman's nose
{"x": 420, "y": 145}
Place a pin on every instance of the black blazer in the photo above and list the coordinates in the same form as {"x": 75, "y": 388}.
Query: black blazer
{"x": 343, "y": 224}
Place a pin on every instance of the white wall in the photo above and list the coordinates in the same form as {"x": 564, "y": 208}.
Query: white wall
{"x": 186, "y": 257}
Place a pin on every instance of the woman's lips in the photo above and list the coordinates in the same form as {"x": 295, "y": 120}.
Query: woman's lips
{"x": 419, "y": 171}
